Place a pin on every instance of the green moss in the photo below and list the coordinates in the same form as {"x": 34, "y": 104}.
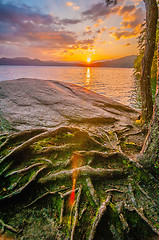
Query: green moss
{"x": 130, "y": 145}
{"x": 114, "y": 220}
{"x": 42, "y": 143}
{"x": 139, "y": 228}
{"x": 5, "y": 125}
{"x": 63, "y": 138}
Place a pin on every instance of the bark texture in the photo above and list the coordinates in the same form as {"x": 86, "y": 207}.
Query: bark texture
{"x": 145, "y": 81}
{"x": 150, "y": 151}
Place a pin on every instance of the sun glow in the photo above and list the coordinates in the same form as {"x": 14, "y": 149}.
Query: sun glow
{"x": 88, "y": 60}
{"x": 76, "y": 160}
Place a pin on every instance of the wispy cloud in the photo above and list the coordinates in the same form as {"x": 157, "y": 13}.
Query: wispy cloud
{"x": 99, "y": 10}
{"x": 67, "y": 21}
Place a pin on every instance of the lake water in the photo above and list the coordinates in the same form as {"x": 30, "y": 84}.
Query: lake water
{"x": 116, "y": 83}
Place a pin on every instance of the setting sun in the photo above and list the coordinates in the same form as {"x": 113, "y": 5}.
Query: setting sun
{"x": 88, "y": 60}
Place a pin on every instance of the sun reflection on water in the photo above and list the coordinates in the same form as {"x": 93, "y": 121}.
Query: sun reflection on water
{"x": 88, "y": 75}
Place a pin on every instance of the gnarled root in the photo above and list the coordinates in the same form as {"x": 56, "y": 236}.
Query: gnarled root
{"x": 98, "y": 218}
{"x": 84, "y": 171}
{"x": 19, "y": 190}
{"x": 76, "y": 213}
{"x": 8, "y": 227}
{"x": 21, "y": 135}
{"x": 92, "y": 191}
{"x": 36, "y": 138}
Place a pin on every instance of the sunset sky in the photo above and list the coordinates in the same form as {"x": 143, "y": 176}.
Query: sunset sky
{"x": 64, "y": 30}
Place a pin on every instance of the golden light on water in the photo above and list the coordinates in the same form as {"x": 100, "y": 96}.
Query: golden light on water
{"x": 88, "y": 75}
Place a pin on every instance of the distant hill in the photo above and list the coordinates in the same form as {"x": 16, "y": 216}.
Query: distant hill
{"x": 124, "y": 62}
{"x": 23, "y": 61}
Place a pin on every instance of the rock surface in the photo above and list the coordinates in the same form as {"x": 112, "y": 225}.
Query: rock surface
{"x": 33, "y": 103}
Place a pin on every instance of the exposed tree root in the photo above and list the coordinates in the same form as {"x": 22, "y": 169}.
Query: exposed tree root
{"x": 100, "y": 213}
{"x": 113, "y": 190}
{"x": 146, "y": 195}
{"x": 8, "y": 227}
{"x": 82, "y": 212}
{"x": 76, "y": 212}
{"x": 123, "y": 221}
{"x": 92, "y": 191}
{"x": 142, "y": 190}
{"x": 62, "y": 210}
{"x": 131, "y": 194}
{"x": 63, "y": 195}
{"x": 44, "y": 195}
{"x": 15, "y": 184}
{"x": 106, "y": 155}
{"x": 36, "y": 138}
{"x": 97, "y": 154}
{"x": 24, "y": 169}
{"x": 48, "y": 161}
{"x": 6, "y": 168}
{"x": 84, "y": 171}
{"x": 60, "y": 148}
{"x": 53, "y": 160}
{"x": 21, "y": 135}
{"x": 24, "y": 145}
{"x": 133, "y": 134}
{"x": 24, "y": 186}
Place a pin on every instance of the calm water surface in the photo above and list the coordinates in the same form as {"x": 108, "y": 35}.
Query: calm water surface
{"x": 116, "y": 83}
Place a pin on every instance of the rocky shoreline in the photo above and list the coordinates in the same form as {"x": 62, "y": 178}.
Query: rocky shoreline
{"x": 33, "y": 103}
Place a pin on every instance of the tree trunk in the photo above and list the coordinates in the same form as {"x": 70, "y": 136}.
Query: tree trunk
{"x": 150, "y": 152}
{"x": 145, "y": 81}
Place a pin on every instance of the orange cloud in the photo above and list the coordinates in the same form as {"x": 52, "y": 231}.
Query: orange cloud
{"x": 126, "y": 45}
{"x": 112, "y": 28}
{"x": 99, "y": 21}
{"x": 125, "y": 33}
{"x": 73, "y": 5}
{"x": 133, "y": 20}
{"x": 131, "y": 24}
{"x": 76, "y": 7}
{"x": 88, "y": 28}
{"x": 101, "y": 30}
{"x": 69, "y": 4}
